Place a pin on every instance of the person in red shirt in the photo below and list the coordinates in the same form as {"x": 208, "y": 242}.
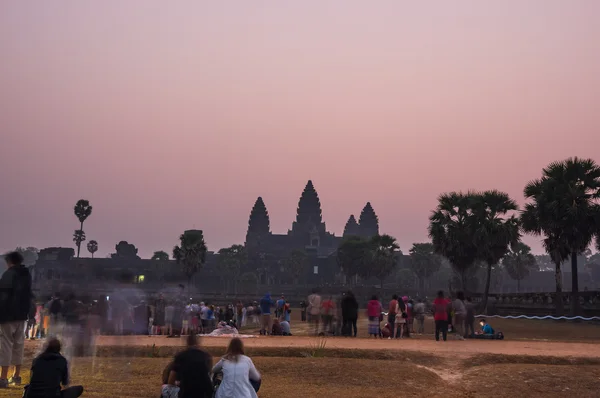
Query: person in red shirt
{"x": 440, "y": 315}
{"x": 392, "y": 314}
{"x": 327, "y": 313}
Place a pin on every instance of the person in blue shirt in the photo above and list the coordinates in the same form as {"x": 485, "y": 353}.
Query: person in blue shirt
{"x": 265, "y": 309}
{"x": 486, "y": 328}
{"x": 279, "y": 308}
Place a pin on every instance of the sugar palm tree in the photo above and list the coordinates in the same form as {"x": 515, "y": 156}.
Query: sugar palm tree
{"x": 496, "y": 229}
{"x": 518, "y": 262}
{"x": 452, "y": 233}
{"x": 191, "y": 252}
{"x": 78, "y": 237}
{"x": 564, "y": 209}
{"x": 384, "y": 260}
{"x": 82, "y": 211}
{"x": 160, "y": 256}
{"x": 424, "y": 262}
{"x": 92, "y": 247}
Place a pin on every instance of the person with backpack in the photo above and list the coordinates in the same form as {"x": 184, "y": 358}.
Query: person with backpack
{"x": 15, "y": 301}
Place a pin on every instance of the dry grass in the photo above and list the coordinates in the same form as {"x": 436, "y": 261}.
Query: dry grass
{"x": 350, "y": 377}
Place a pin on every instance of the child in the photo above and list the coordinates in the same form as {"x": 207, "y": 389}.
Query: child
{"x": 486, "y": 328}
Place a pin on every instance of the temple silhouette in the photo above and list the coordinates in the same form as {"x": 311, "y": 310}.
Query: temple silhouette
{"x": 308, "y": 231}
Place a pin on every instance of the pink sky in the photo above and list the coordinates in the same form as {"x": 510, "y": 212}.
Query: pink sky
{"x": 176, "y": 116}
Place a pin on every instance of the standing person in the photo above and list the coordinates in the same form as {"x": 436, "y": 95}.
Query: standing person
{"x": 419, "y": 311}
{"x": 327, "y": 309}
{"x": 460, "y": 315}
{"x": 159, "y": 315}
{"x": 32, "y": 321}
{"x": 48, "y": 371}
{"x": 440, "y": 315}
{"x": 240, "y": 377}
{"x": 204, "y": 317}
{"x": 392, "y": 314}
{"x": 15, "y": 299}
{"x": 374, "y": 310}
{"x": 303, "y": 307}
{"x": 410, "y": 321}
{"x": 401, "y": 317}
{"x": 55, "y": 309}
{"x": 169, "y": 311}
{"x": 349, "y": 314}
{"x": 239, "y": 310}
{"x": 191, "y": 369}
{"x": 265, "y": 310}
{"x": 279, "y": 307}
{"x": 314, "y": 310}
{"x": 470, "y": 320}
{"x": 287, "y": 313}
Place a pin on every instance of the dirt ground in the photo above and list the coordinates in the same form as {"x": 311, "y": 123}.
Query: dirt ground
{"x": 538, "y": 358}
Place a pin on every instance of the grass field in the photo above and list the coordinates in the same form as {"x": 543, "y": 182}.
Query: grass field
{"x": 538, "y": 359}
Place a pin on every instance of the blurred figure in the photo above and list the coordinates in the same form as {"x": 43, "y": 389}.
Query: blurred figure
{"x": 374, "y": 311}
{"x": 470, "y": 320}
{"x": 440, "y": 316}
{"x": 191, "y": 369}
{"x": 349, "y": 314}
{"x": 420, "y": 316}
{"x": 48, "y": 371}
{"x": 15, "y": 300}
{"x": 265, "y": 310}
{"x": 314, "y": 310}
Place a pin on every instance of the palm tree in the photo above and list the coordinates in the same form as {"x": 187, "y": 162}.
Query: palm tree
{"x": 82, "y": 211}
{"x": 354, "y": 256}
{"x": 92, "y": 247}
{"x": 384, "y": 260}
{"x": 78, "y": 237}
{"x": 496, "y": 229}
{"x": 519, "y": 262}
{"x": 160, "y": 256}
{"x": 424, "y": 262}
{"x": 191, "y": 252}
{"x": 564, "y": 209}
{"x": 452, "y": 233}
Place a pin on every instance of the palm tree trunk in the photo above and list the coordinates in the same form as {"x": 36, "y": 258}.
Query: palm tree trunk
{"x": 92, "y": 255}
{"x": 79, "y": 243}
{"x": 486, "y": 292}
{"x": 575, "y": 307}
{"x": 422, "y": 286}
{"x": 558, "y": 279}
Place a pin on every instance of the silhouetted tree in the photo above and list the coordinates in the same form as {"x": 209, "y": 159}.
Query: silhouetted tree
{"x": 124, "y": 249}
{"x": 384, "y": 258}
{"x": 82, "y": 211}
{"x": 354, "y": 255}
{"x": 496, "y": 229}
{"x": 191, "y": 252}
{"x": 78, "y": 238}
{"x": 563, "y": 208}
{"x": 296, "y": 264}
{"x": 424, "y": 262}
{"x": 519, "y": 262}
{"x": 92, "y": 247}
{"x": 30, "y": 255}
{"x": 452, "y": 233}
{"x": 160, "y": 256}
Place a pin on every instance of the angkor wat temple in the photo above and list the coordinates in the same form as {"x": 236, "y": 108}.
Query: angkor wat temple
{"x": 308, "y": 232}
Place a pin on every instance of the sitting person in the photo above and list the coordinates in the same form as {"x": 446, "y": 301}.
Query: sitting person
{"x": 486, "y": 328}
{"x": 386, "y": 331}
{"x": 487, "y": 332}
{"x": 48, "y": 371}
{"x": 285, "y": 328}
{"x": 240, "y": 377}
{"x": 168, "y": 390}
{"x": 276, "y": 329}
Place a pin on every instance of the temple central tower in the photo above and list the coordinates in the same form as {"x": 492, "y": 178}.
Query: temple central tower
{"x": 309, "y": 228}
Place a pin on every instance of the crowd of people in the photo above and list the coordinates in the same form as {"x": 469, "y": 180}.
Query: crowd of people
{"x": 76, "y": 324}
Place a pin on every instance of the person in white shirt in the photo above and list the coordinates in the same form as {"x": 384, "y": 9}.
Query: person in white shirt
{"x": 239, "y": 373}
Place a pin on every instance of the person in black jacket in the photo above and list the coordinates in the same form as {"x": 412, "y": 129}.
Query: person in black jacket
{"x": 191, "y": 369}
{"x": 15, "y": 299}
{"x": 48, "y": 371}
{"x": 349, "y": 314}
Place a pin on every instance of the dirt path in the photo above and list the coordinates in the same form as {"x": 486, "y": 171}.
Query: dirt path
{"x": 454, "y": 347}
